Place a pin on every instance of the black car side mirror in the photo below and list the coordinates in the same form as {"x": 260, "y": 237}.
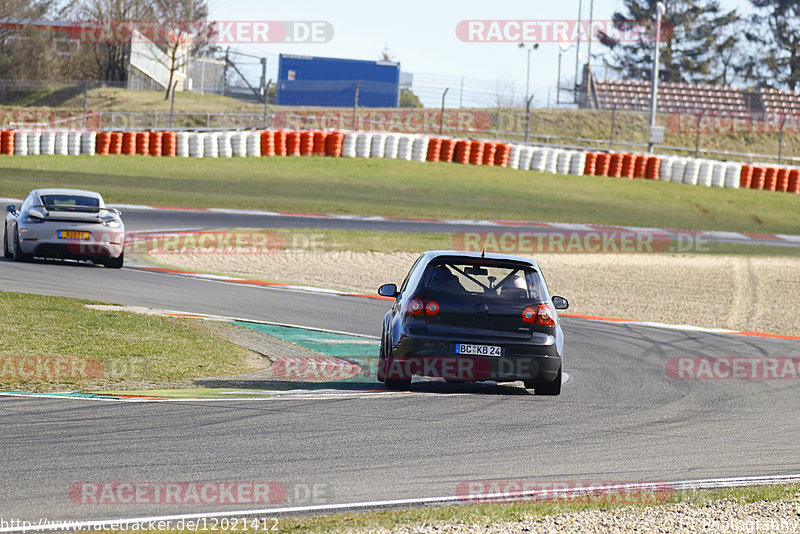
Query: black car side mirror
{"x": 560, "y": 303}
{"x": 11, "y": 208}
{"x": 388, "y": 290}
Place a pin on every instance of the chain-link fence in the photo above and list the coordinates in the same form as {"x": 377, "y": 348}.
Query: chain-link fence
{"x": 110, "y": 106}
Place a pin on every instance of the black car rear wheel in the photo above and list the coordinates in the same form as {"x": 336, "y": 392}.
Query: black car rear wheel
{"x": 381, "y": 374}
{"x": 399, "y": 384}
{"x": 546, "y": 388}
{"x": 398, "y": 380}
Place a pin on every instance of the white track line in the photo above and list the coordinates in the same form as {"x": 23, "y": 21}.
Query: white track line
{"x": 123, "y": 523}
{"x": 254, "y": 396}
{"x": 311, "y": 289}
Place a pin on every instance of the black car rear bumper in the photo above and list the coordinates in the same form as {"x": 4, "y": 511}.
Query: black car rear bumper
{"x": 528, "y": 361}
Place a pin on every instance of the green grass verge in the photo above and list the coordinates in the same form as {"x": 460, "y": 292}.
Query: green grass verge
{"x": 116, "y": 99}
{"x": 404, "y": 189}
{"x": 479, "y": 515}
{"x": 327, "y": 240}
{"x": 56, "y": 343}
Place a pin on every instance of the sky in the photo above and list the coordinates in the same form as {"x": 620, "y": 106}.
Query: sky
{"x": 421, "y": 35}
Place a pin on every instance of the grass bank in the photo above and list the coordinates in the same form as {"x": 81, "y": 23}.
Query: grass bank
{"x": 56, "y": 343}
{"x": 404, "y": 189}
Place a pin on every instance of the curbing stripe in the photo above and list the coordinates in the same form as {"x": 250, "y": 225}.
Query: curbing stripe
{"x": 762, "y": 334}
{"x": 762, "y": 236}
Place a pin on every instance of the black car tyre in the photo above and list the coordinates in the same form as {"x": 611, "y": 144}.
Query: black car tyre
{"x": 381, "y": 374}
{"x": 546, "y": 388}
{"x": 6, "y": 253}
{"x": 401, "y": 383}
{"x": 18, "y": 254}
{"x": 115, "y": 263}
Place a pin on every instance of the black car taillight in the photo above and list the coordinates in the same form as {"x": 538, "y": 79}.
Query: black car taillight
{"x": 540, "y": 314}
{"x": 423, "y": 307}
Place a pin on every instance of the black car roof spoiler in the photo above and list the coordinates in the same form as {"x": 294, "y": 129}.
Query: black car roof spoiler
{"x": 507, "y": 262}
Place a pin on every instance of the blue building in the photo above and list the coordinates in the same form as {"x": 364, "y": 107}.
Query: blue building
{"x": 322, "y": 81}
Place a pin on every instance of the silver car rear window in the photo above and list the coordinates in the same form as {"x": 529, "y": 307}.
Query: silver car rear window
{"x": 69, "y": 202}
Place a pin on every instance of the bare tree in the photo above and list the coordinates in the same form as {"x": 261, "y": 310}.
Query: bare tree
{"x": 185, "y": 27}
{"x": 110, "y": 40}
{"x": 504, "y": 94}
{"x": 386, "y": 54}
{"x": 27, "y": 48}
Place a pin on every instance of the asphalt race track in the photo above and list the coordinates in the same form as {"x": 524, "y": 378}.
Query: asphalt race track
{"x": 619, "y": 418}
{"x": 176, "y": 219}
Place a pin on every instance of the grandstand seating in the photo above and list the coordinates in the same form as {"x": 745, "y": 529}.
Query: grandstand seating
{"x": 777, "y": 101}
{"x": 683, "y": 97}
{"x": 673, "y": 96}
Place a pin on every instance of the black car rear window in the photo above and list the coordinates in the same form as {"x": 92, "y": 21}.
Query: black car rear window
{"x": 70, "y": 202}
{"x": 484, "y": 279}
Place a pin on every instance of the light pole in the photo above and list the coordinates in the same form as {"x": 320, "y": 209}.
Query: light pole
{"x": 563, "y": 46}
{"x": 577, "y": 51}
{"x": 589, "y": 39}
{"x": 534, "y": 46}
{"x": 660, "y": 10}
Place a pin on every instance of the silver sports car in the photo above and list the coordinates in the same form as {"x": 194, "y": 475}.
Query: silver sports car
{"x": 64, "y": 223}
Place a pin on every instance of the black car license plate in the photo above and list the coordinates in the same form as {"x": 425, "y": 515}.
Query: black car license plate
{"x": 478, "y": 350}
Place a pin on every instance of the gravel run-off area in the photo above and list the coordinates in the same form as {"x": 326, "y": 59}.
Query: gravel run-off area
{"x": 721, "y": 517}
{"x": 752, "y": 294}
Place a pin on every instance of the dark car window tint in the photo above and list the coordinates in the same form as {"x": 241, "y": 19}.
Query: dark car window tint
{"x": 484, "y": 280}
{"x": 69, "y": 202}
{"x": 410, "y": 272}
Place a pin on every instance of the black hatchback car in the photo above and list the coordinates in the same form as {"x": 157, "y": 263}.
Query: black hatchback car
{"x": 470, "y": 316}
